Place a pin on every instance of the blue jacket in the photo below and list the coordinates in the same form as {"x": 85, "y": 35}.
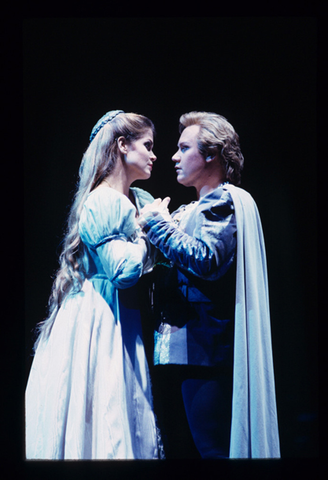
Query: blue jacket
{"x": 194, "y": 295}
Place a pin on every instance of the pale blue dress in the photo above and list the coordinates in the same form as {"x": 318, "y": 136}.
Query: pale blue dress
{"x": 88, "y": 394}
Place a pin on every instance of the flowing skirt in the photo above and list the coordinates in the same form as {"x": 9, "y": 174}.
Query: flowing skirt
{"x": 88, "y": 395}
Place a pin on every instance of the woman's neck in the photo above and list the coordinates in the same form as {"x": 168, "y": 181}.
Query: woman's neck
{"x": 119, "y": 181}
{"x": 119, "y": 186}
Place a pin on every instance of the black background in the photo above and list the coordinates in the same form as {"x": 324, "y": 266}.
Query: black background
{"x": 261, "y": 74}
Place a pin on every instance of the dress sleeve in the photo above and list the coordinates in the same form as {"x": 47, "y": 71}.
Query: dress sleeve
{"x": 108, "y": 226}
{"x": 208, "y": 249}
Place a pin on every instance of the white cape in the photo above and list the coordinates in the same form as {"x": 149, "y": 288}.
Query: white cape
{"x": 254, "y": 426}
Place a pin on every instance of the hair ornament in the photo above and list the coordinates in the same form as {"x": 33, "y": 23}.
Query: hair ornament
{"x": 108, "y": 117}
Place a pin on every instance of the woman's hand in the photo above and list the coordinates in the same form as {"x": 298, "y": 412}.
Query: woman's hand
{"x": 158, "y": 206}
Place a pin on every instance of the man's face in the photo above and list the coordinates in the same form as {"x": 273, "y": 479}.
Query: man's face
{"x": 189, "y": 163}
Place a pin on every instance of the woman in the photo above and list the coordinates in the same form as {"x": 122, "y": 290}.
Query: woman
{"x": 214, "y": 380}
{"x": 88, "y": 394}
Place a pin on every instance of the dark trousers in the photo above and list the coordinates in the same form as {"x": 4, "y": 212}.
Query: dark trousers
{"x": 193, "y": 409}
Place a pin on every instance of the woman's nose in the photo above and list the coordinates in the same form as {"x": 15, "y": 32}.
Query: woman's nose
{"x": 176, "y": 157}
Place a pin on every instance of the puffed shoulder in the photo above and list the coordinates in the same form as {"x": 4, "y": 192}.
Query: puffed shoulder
{"x": 106, "y": 214}
{"x": 218, "y": 198}
{"x": 216, "y": 206}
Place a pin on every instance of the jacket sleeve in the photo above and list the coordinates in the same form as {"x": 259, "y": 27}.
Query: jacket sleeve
{"x": 208, "y": 250}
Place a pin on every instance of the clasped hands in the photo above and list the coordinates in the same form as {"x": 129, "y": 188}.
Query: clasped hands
{"x": 151, "y": 209}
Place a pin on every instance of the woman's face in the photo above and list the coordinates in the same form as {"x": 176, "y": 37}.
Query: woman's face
{"x": 189, "y": 163}
{"x": 139, "y": 158}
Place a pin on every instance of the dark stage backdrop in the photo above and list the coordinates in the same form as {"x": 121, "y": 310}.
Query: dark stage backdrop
{"x": 260, "y": 73}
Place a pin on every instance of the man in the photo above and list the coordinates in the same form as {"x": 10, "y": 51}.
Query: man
{"x": 213, "y": 381}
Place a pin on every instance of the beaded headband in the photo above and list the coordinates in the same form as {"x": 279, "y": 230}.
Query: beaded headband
{"x": 108, "y": 117}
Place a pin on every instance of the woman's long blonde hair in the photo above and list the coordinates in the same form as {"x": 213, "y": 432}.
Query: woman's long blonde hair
{"x": 97, "y": 163}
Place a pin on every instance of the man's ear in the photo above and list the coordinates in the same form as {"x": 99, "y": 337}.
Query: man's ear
{"x": 122, "y": 145}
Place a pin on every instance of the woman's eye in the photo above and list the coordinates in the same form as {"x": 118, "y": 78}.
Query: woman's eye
{"x": 148, "y": 145}
{"x": 183, "y": 149}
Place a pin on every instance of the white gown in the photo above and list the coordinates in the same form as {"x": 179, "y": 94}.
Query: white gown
{"x": 88, "y": 394}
